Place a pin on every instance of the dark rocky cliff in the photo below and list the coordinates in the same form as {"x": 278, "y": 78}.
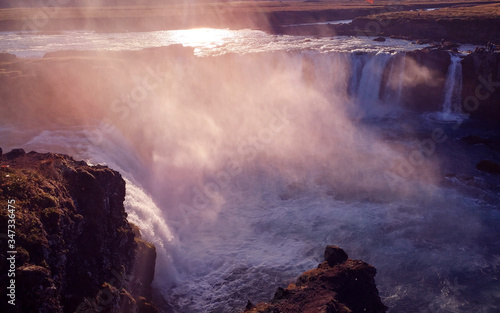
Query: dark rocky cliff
{"x": 481, "y": 86}
{"x": 426, "y": 95}
{"x": 338, "y": 285}
{"x": 76, "y": 251}
{"x": 480, "y": 83}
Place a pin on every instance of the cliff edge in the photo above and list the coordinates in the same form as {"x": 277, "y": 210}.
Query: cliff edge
{"x": 72, "y": 248}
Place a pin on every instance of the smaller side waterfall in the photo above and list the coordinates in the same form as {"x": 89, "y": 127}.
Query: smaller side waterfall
{"x": 453, "y": 87}
{"x": 395, "y": 80}
{"x": 452, "y": 94}
{"x": 357, "y": 64}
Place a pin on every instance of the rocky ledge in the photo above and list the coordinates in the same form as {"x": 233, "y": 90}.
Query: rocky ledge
{"x": 338, "y": 285}
{"x": 74, "y": 250}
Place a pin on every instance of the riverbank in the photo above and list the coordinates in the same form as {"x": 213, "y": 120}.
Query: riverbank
{"x": 264, "y": 15}
{"x": 475, "y": 23}
{"x": 462, "y": 23}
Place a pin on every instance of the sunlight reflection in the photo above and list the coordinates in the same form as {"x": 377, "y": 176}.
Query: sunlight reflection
{"x": 202, "y": 37}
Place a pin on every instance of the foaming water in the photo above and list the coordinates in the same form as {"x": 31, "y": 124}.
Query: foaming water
{"x": 334, "y": 22}
{"x": 144, "y": 213}
{"x": 241, "y": 174}
{"x": 206, "y": 41}
{"x": 426, "y": 246}
{"x": 446, "y": 117}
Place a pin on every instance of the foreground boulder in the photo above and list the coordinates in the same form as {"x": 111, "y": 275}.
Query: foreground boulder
{"x": 74, "y": 249}
{"x": 338, "y": 285}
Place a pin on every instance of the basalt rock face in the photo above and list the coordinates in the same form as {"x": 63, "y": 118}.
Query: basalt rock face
{"x": 424, "y": 94}
{"x": 76, "y": 251}
{"x": 481, "y": 86}
{"x": 480, "y": 83}
{"x": 338, "y": 285}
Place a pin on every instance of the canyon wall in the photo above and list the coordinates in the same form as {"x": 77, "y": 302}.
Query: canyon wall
{"x": 76, "y": 251}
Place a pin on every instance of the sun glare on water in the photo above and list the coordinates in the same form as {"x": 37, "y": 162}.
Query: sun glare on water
{"x": 202, "y": 37}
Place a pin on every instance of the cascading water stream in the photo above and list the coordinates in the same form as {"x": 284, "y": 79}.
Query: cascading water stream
{"x": 396, "y": 78}
{"x": 401, "y": 77}
{"x": 452, "y": 103}
{"x": 376, "y": 83}
{"x": 372, "y": 78}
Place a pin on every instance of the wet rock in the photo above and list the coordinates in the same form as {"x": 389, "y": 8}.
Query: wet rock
{"x": 481, "y": 91}
{"x": 249, "y": 305}
{"x": 334, "y": 255}
{"x": 475, "y": 140}
{"x": 280, "y": 294}
{"x": 346, "y": 287}
{"x": 145, "y": 306}
{"x": 488, "y": 167}
{"x": 448, "y": 45}
{"x": 423, "y": 41}
{"x": 380, "y": 39}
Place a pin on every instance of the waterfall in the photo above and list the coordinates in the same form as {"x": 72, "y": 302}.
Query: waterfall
{"x": 371, "y": 79}
{"x": 401, "y": 76}
{"x": 453, "y": 90}
{"x": 395, "y": 80}
{"x": 376, "y": 80}
{"x": 240, "y": 174}
{"x": 357, "y": 63}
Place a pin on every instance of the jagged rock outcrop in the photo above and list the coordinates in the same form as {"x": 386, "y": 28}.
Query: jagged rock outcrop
{"x": 76, "y": 251}
{"x": 338, "y": 285}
